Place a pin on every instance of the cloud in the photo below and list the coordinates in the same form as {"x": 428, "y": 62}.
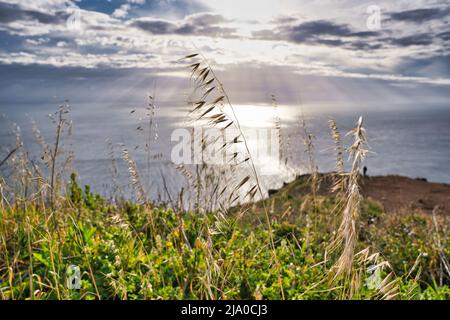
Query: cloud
{"x": 332, "y": 34}
{"x": 168, "y": 9}
{"x": 433, "y": 66}
{"x": 363, "y": 45}
{"x": 155, "y": 26}
{"x": 444, "y": 35}
{"x": 206, "y": 18}
{"x": 136, "y": 1}
{"x": 130, "y": 86}
{"x": 144, "y": 35}
{"x": 201, "y": 24}
{"x": 37, "y": 42}
{"x": 420, "y": 15}
{"x": 304, "y": 32}
{"x": 319, "y": 32}
{"x": 12, "y": 12}
{"x": 284, "y": 20}
{"x": 421, "y": 39}
{"x": 47, "y": 6}
{"x": 315, "y": 29}
{"x": 122, "y": 11}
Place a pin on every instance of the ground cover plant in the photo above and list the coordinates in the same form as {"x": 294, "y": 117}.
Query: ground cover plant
{"x": 235, "y": 242}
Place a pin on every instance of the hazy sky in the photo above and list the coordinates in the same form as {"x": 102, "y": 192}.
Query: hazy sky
{"x": 323, "y": 51}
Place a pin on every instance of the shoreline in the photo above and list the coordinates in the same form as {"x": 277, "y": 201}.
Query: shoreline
{"x": 394, "y": 192}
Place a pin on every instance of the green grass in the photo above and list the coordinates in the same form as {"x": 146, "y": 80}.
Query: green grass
{"x": 297, "y": 244}
{"x": 130, "y": 251}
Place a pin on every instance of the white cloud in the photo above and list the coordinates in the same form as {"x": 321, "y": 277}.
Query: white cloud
{"x": 61, "y": 44}
{"x": 49, "y": 6}
{"x": 111, "y": 41}
{"x": 37, "y": 42}
{"x": 122, "y": 11}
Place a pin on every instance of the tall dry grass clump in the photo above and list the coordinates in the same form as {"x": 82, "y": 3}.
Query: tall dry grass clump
{"x": 135, "y": 179}
{"x": 347, "y": 232}
{"x": 339, "y": 180}
{"x": 209, "y": 103}
{"x": 440, "y": 248}
{"x": 40, "y": 180}
{"x": 308, "y": 141}
{"x": 375, "y": 273}
{"x": 363, "y": 268}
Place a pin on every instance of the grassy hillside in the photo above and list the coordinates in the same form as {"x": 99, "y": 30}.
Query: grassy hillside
{"x": 130, "y": 251}
{"x": 317, "y": 238}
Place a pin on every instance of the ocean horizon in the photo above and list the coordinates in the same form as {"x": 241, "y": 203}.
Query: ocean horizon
{"x": 409, "y": 142}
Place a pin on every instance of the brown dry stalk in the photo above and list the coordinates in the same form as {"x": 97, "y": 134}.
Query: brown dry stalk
{"x": 278, "y": 128}
{"x": 308, "y": 140}
{"x": 336, "y": 135}
{"x": 347, "y": 232}
{"x": 439, "y": 246}
{"x": 54, "y": 153}
{"x": 9, "y": 155}
{"x": 135, "y": 180}
{"x": 206, "y": 80}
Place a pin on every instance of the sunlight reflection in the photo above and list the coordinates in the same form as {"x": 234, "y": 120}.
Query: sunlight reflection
{"x": 258, "y": 116}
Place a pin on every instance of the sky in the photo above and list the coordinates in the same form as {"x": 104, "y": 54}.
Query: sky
{"x": 332, "y": 52}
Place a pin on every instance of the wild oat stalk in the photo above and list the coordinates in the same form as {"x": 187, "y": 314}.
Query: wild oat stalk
{"x": 347, "y": 232}
{"x": 339, "y": 176}
{"x": 148, "y": 127}
{"x": 60, "y": 123}
{"x": 349, "y": 198}
{"x": 114, "y": 169}
{"x": 135, "y": 180}
{"x": 308, "y": 140}
{"x": 28, "y": 181}
{"x": 445, "y": 265}
{"x": 350, "y": 272}
{"x": 369, "y": 271}
{"x": 336, "y": 135}
{"x": 213, "y": 111}
{"x": 5, "y": 159}
{"x": 55, "y": 158}
{"x": 277, "y": 121}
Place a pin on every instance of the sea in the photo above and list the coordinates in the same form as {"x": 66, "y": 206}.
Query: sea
{"x": 411, "y": 141}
